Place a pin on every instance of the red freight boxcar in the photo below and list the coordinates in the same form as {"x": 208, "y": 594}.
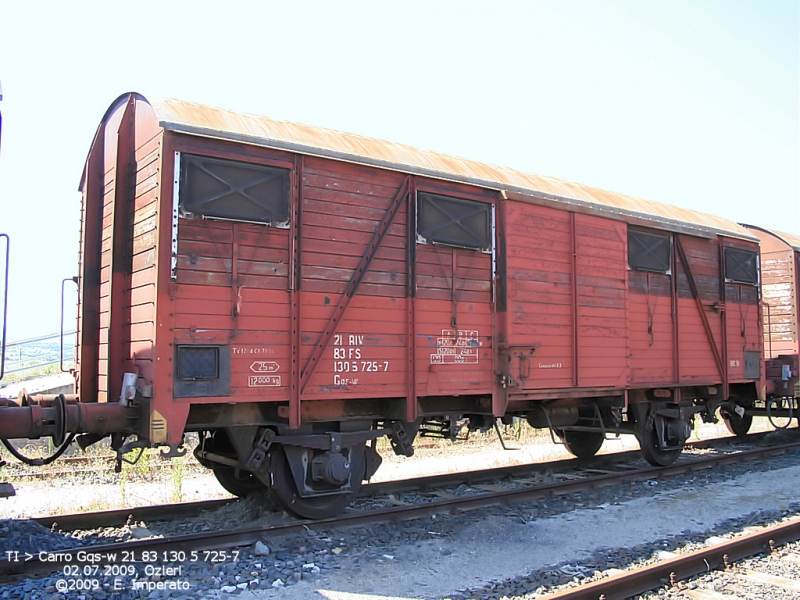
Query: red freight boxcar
{"x": 780, "y": 266}
{"x": 294, "y": 293}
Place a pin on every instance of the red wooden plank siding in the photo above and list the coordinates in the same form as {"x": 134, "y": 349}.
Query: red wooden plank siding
{"x": 343, "y": 206}
{"x": 247, "y": 309}
{"x": 539, "y": 259}
{"x": 140, "y": 341}
{"x": 651, "y": 328}
{"x": 744, "y": 333}
{"x": 601, "y": 246}
{"x": 454, "y": 312}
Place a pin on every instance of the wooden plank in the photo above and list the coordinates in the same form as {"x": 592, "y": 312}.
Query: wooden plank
{"x": 386, "y": 332}
{"x": 143, "y": 277}
{"x": 546, "y": 260}
{"x": 143, "y": 313}
{"x": 326, "y": 202}
{"x": 332, "y": 274}
{"x": 534, "y": 297}
{"x": 346, "y": 248}
{"x": 204, "y": 307}
{"x": 149, "y": 149}
{"x": 144, "y": 242}
{"x": 142, "y": 350}
{"x": 350, "y": 263}
{"x": 144, "y": 187}
{"x": 366, "y": 289}
{"x": 143, "y": 260}
{"x": 141, "y": 332}
{"x": 184, "y": 321}
{"x": 606, "y": 303}
{"x": 611, "y": 342}
{"x": 605, "y": 364}
{"x": 145, "y": 211}
{"x": 368, "y": 188}
{"x": 184, "y": 291}
{"x": 601, "y": 291}
{"x": 542, "y": 319}
{"x": 347, "y": 223}
{"x": 541, "y": 308}
{"x": 392, "y": 239}
{"x": 325, "y": 166}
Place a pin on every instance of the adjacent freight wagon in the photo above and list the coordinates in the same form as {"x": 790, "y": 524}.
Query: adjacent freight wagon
{"x": 780, "y": 268}
{"x": 294, "y": 293}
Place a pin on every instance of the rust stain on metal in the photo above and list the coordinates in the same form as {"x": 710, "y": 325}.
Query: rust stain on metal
{"x": 789, "y": 239}
{"x": 178, "y": 115}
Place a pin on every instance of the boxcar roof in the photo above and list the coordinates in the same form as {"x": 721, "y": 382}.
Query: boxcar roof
{"x": 186, "y": 117}
{"x": 789, "y": 239}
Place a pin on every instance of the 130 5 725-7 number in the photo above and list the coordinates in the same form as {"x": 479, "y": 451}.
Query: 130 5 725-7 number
{"x": 363, "y": 366}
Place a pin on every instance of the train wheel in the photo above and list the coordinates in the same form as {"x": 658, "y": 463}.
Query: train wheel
{"x": 738, "y": 426}
{"x": 240, "y": 485}
{"x": 651, "y": 449}
{"x": 284, "y": 488}
{"x": 582, "y": 444}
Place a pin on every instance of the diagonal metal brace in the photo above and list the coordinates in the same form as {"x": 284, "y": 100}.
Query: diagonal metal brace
{"x": 701, "y": 309}
{"x": 352, "y": 286}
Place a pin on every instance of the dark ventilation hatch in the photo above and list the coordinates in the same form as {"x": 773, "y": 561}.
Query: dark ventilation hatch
{"x": 649, "y": 251}
{"x": 454, "y": 222}
{"x": 232, "y": 190}
{"x": 741, "y": 266}
{"x": 198, "y": 362}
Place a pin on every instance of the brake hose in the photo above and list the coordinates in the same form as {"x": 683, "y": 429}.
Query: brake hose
{"x": 39, "y": 462}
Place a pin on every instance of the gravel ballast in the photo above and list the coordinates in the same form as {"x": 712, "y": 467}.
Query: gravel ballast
{"x": 514, "y": 551}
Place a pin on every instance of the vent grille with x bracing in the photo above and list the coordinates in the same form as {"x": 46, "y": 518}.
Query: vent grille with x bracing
{"x": 649, "y": 252}
{"x": 741, "y": 266}
{"x": 454, "y": 222}
{"x": 233, "y": 190}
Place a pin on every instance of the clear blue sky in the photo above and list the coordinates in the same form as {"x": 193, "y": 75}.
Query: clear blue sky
{"x": 687, "y": 102}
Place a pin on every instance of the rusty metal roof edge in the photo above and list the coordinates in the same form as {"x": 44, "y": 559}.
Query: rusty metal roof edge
{"x": 672, "y": 224}
{"x": 324, "y": 153}
{"x": 790, "y": 239}
{"x": 640, "y": 217}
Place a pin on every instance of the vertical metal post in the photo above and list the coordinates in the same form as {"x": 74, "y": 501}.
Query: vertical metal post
{"x": 675, "y": 321}
{"x": 295, "y": 272}
{"x": 575, "y": 333}
{"x": 723, "y": 316}
{"x": 411, "y": 292}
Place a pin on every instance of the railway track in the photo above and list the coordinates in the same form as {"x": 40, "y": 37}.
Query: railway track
{"x": 180, "y": 545}
{"x": 676, "y": 570}
{"x": 570, "y": 467}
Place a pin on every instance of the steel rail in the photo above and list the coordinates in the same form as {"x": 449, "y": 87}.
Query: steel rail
{"x": 120, "y": 516}
{"x": 109, "y": 518}
{"x": 208, "y": 540}
{"x": 685, "y": 566}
